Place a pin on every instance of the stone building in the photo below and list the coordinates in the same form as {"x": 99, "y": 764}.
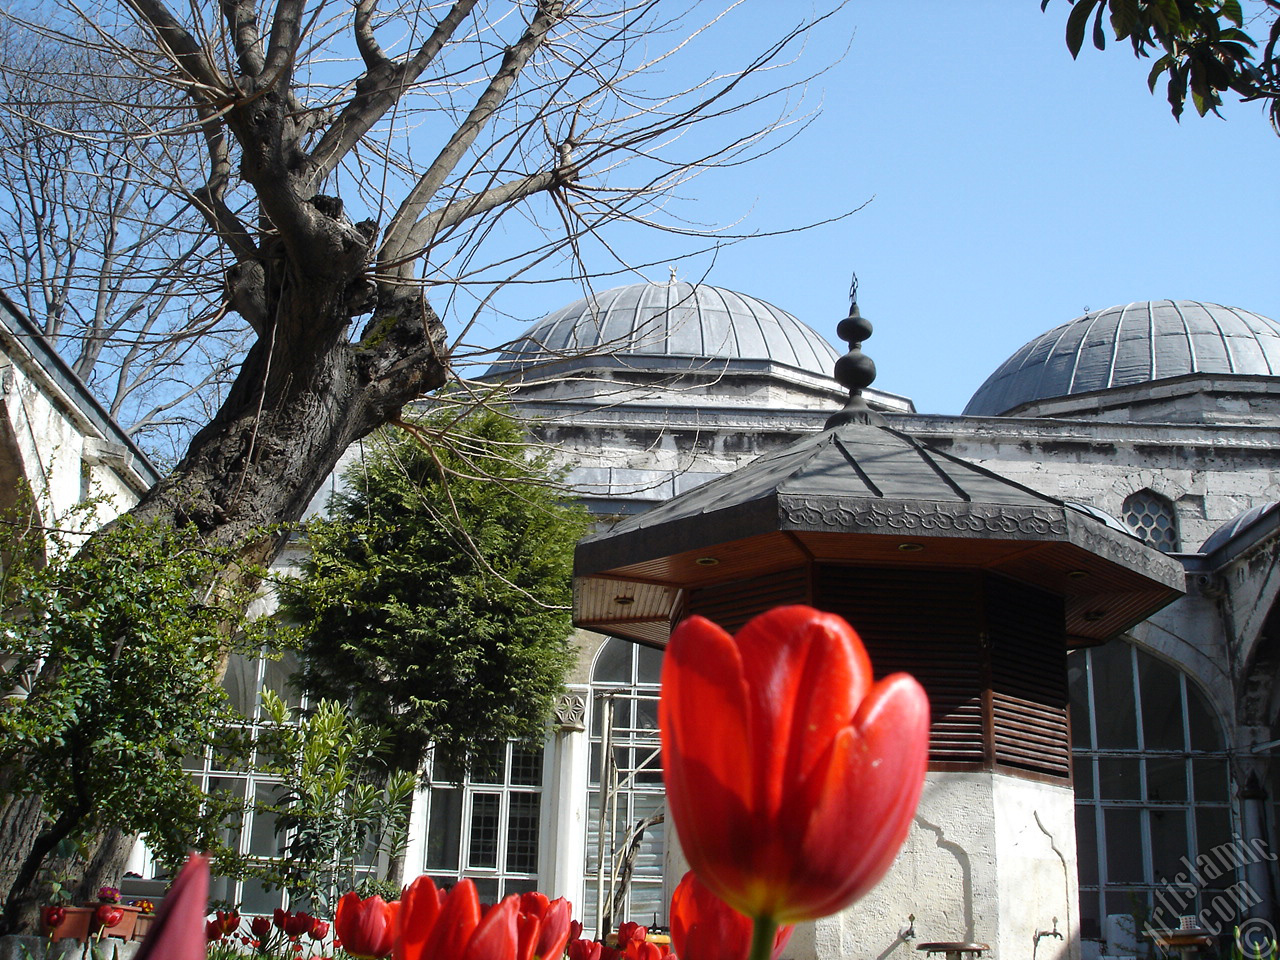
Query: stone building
{"x": 58, "y": 446}
{"x": 1159, "y": 419}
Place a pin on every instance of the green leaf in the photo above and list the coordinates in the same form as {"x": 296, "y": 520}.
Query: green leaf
{"x": 1124, "y": 17}
{"x": 1231, "y": 10}
{"x": 1099, "y": 35}
{"x": 1077, "y": 22}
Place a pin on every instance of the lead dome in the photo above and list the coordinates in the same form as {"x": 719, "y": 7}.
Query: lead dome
{"x": 1131, "y": 344}
{"x": 674, "y": 319}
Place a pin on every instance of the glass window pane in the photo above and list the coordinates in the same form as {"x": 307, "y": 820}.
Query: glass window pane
{"x": 1118, "y": 778}
{"x": 526, "y": 766}
{"x": 648, "y": 665}
{"x": 613, "y": 662}
{"x": 1116, "y": 719}
{"x": 263, "y": 841}
{"x": 231, "y": 789}
{"x": 483, "y": 851}
{"x": 1167, "y": 780}
{"x": 1124, "y": 846}
{"x": 444, "y": 833}
{"x": 277, "y": 676}
{"x": 488, "y": 764}
{"x": 1082, "y": 775}
{"x": 1168, "y": 843}
{"x": 1086, "y": 846}
{"x": 241, "y": 683}
{"x": 1161, "y": 704}
{"x": 1078, "y": 684}
{"x": 1213, "y": 832}
{"x": 522, "y": 833}
{"x": 1210, "y": 778}
{"x": 488, "y": 889}
{"x": 1202, "y": 722}
{"x": 647, "y": 714}
{"x": 256, "y": 898}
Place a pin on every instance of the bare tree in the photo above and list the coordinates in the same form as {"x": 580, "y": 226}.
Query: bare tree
{"x": 371, "y": 171}
{"x": 432, "y": 123}
{"x": 100, "y": 250}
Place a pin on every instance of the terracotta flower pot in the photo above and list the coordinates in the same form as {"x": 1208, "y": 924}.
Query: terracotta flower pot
{"x": 123, "y": 929}
{"x": 74, "y": 925}
{"x": 142, "y": 924}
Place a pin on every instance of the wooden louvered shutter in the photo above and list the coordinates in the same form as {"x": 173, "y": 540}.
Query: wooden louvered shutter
{"x": 731, "y": 605}
{"x": 1028, "y": 679}
{"x": 926, "y": 623}
{"x": 990, "y": 652}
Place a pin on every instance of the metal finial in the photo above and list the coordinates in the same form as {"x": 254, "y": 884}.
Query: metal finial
{"x": 672, "y": 281}
{"x": 855, "y": 370}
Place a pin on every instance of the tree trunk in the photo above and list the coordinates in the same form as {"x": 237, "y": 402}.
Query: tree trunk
{"x": 303, "y": 395}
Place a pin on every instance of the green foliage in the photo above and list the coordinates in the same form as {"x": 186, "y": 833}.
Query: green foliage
{"x": 111, "y": 677}
{"x": 1202, "y": 49}
{"x": 339, "y": 807}
{"x": 436, "y": 596}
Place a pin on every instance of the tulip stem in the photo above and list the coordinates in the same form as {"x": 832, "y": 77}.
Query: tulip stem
{"x": 764, "y": 932}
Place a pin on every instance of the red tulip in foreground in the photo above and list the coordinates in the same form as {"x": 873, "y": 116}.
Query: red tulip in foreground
{"x": 365, "y": 927}
{"x": 432, "y": 926}
{"x": 791, "y": 778}
{"x": 704, "y": 927}
{"x": 177, "y": 933}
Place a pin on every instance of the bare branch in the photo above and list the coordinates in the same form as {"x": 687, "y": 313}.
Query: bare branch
{"x": 246, "y": 38}
{"x": 181, "y": 46}
{"x": 380, "y": 88}
{"x": 399, "y": 240}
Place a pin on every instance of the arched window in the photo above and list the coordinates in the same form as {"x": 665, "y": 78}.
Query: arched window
{"x": 1152, "y": 790}
{"x": 625, "y": 680}
{"x": 1152, "y": 518}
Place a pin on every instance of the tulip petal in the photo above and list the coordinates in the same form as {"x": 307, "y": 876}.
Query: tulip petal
{"x": 702, "y": 717}
{"x": 177, "y": 933}
{"x": 806, "y": 672}
{"x": 555, "y": 929}
{"x": 419, "y": 910}
{"x": 861, "y": 806}
{"x": 457, "y": 921}
{"x": 497, "y": 936}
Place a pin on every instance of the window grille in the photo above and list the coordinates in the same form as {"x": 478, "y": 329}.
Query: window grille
{"x": 1152, "y": 518}
{"x": 486, "y": 827}
{"x": 1151, "y": 785}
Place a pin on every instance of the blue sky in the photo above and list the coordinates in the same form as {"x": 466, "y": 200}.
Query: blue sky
{"x": 1011, "y": 188}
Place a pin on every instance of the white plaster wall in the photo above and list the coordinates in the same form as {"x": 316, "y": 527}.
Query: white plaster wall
{"x": 61, "y": 456}
{"x": 990, "y": 859}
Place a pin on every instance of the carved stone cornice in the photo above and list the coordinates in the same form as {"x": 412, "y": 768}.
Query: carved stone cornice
{"x": 923, "y": 518}
{"x": 570, "y": 714}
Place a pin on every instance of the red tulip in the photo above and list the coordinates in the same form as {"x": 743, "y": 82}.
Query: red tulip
{"x": 454, "y": 927}
{"x": 177, "y": 932}
{"x": 586, "y": 950}
{"x": 704, "y": 927}
{"x": 213, "y": 931}
{"x": 543, "y": 925}
{"x": 53, "y": 917}
{"x": 228, "y": 922}
{"x": 296, "y": 924}
{"x": 319, "y": 930}
{"x": 628, "y": 931}
{"x": 260, "y": 927}
{"x": 107, "y": 915}
{"x": 644, "y": 950}
{"x": 791, "y": 778}
{"x": 365, "y": 927}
